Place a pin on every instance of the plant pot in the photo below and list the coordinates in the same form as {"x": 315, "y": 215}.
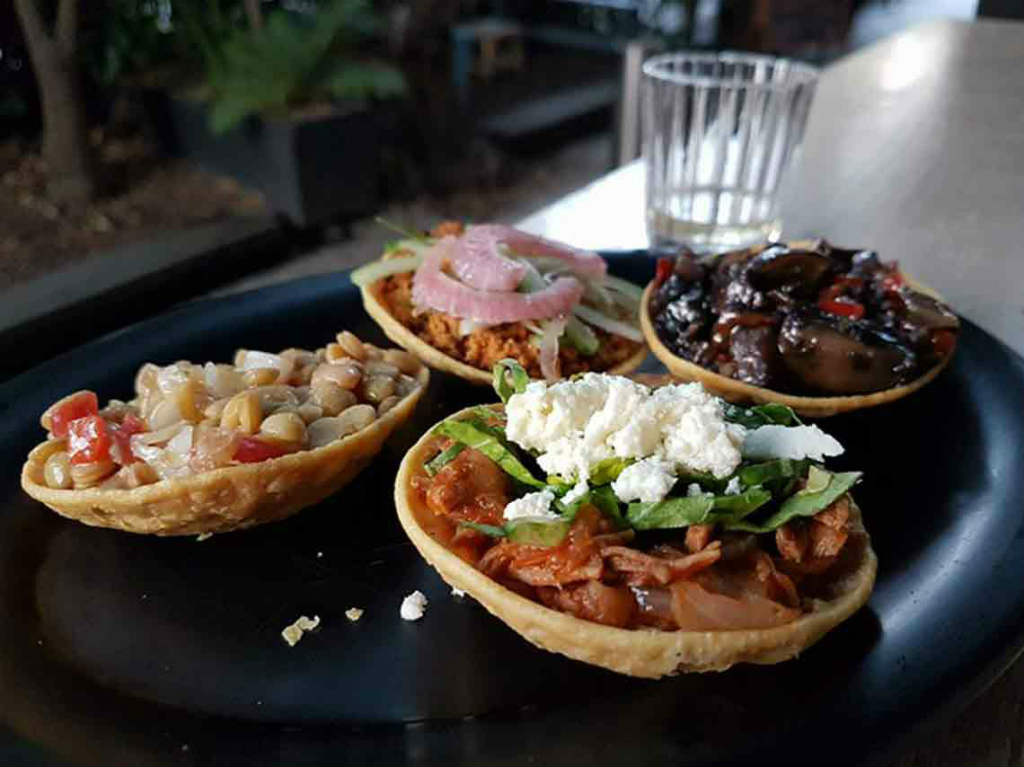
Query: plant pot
{"x": 312, "y": 167}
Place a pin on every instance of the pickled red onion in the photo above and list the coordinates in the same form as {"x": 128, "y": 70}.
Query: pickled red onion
{"x": 478, "y": 262}
{"x": 432, "y": 288}
{"x": 584, "y": 262}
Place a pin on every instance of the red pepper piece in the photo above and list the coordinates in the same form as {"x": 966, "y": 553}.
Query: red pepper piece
{"x": 663, "y": 270}
{"x": 842, "y": 307}
{"x": 88, "y": 440}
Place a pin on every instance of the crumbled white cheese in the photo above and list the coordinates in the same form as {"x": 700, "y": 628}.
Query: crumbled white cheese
{"x": 293, "y": 633}
{"x": 457, "y": 592}
{"x": 204, "y": 537}
{"x": 795, "y": 442}
{"x": 413, "y": 606}
{"x": 733, "y": 488}
{"x": 354, "y": 614}
{"x": 576, "y": 424}
{"x": 693, "y": 490}
{"x": 534, "y": 506}
{"x": 648, "y": 480}
{"x": 579, "y": 490}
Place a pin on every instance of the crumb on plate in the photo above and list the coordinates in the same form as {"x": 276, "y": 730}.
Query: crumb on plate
{"x": 293, "y": 633}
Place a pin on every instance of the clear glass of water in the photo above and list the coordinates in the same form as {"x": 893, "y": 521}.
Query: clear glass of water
{"x": 719, "y": 132}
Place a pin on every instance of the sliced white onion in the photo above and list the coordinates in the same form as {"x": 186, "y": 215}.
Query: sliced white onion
{"x": 610, "y": 324}
{"x": 551, "y": 331}
{"x": 165, "y": 413}
{"x": 378, "y": 270}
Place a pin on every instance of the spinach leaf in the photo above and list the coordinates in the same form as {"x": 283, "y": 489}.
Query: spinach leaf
{"x": 502, "y": 370}
{"x": 802, "y": 504}
{"x": 489, "y": 442}
{"x": 442, "y": 459}
{"x": 761, "y": 415}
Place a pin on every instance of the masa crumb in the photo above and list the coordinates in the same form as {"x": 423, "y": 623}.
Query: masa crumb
{"x": 293, "y": 633}
{"x": 354, "y": 614}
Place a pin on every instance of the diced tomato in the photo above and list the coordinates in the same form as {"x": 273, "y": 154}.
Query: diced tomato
{"x": 842, "y": 307}
{"x": 252, "y": 450}
{"x": 663, "y": 270}
{"x": 893, "y": 281}
{"x": 88, "y": 440}
{"x": 121, "y": 436}
{"x": 78, "y": 405}
{"x": 943, "y": 342}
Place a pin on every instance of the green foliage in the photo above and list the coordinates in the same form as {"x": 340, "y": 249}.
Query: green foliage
{"x": 292, "y": 61}
{"x": 131, "y": 37}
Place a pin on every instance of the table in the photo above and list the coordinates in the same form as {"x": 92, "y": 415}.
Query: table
{"x": 914, "y": 147}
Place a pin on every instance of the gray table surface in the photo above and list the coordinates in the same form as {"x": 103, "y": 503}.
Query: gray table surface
{"x": 915, "y": 147}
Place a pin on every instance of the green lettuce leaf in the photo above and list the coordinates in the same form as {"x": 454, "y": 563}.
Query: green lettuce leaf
{"x": 780, "y": 468}
{"x": 608, "y": 470}
{"x": 761, "y": 415}
{"x": 442, "y": 459}
{"x": 802, "y": 504}
{"x": 492, "y": 530}
{"x": 503, "y": 370}
{"x": 671, "y": 512}
{"x": 488, "y": 441}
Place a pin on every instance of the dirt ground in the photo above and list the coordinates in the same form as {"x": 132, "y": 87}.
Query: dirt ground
{"x": 143, "y": 195}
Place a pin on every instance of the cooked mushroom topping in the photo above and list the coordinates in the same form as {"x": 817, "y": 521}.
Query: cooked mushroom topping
{"x": 814, "y": 320}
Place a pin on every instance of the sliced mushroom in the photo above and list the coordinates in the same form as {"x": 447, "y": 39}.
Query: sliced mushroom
{"x": 755, "y": 353}
{"x": 824, "y": 358}
{"x": 801, "y": 272}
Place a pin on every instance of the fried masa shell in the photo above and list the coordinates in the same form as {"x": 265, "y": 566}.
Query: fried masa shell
{"x": 437, "y": 359}
{"x": 228, "y": 498}
{"x": 643, "y": 652}
{"x": 745, "y": 393}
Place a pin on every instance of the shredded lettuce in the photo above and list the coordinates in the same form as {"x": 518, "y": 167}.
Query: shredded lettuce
{"x": 608, "y": 470}
{"x": 505, "y": 369}
{"x": 802, "y": 504}
{"x": 761, "y": 415}
{"x": 487, "y": 440}
{"x": 376, "y": 270}
{"x": 442, "y": 459}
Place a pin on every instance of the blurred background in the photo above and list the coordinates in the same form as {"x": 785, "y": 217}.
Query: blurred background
{"x": 130, "y": 128}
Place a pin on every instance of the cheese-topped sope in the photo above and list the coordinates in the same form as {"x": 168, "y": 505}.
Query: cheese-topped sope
{"x": 638, "y": 555}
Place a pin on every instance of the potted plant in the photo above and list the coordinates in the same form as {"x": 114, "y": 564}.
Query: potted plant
{"x": 286, "y": 106}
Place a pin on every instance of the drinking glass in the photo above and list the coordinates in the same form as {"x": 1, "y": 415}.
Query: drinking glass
{"x": 720, "y": 130}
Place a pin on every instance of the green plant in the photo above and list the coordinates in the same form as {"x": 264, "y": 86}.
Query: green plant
{"x": 290, "y": 61}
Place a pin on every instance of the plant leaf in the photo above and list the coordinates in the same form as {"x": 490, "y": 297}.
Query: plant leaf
{"x": 488, "y": 443}
{"x": 503, "y": 370}
{"x": 802, "y": 504}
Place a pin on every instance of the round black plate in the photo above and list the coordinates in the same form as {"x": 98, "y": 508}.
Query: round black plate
{"x": 117, "y": 648}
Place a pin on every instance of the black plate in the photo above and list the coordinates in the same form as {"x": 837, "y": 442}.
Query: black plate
{"x": 123, "y": 649}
